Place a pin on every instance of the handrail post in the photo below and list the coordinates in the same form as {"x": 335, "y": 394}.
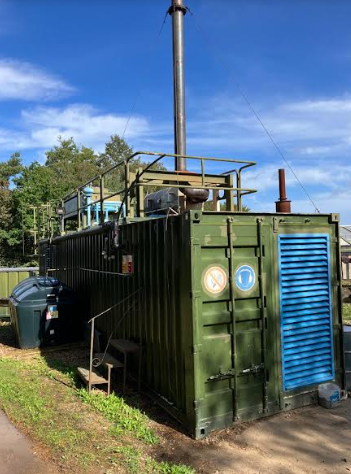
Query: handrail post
{"x": 35, "y": 227}
{"x": 140, "y": 196}
{"x": 229, "y": 194}
{"x": 91, "y": 353}
{"x": 78, "y": 210}
{"x": 216, "y": 203}
{"x": 238, "y": 192}
{"x": 102, "y": 184}
{"x": 62, "y": 230}
{"x": 126, "y": 187}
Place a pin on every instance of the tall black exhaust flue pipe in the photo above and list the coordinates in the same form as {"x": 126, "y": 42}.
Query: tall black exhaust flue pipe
{"x": 177, "y": 10}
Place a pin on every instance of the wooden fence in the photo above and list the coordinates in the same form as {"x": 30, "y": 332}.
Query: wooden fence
{"x": 9, "y": 278}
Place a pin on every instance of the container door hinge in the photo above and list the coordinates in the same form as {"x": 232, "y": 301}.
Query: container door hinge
{"x": 194, "y": 241}
{"x": 195, "y": 294}
{"x": 275, "y": 224}
{"x": 334, "y": 218}
{"x": 196, "y": 348}
{"x": 227, "y": 252}
{"x": 197, "y": 404}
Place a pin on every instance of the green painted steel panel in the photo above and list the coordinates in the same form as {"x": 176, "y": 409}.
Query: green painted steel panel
{"x": 212, "y": 349}
{"x": 9, "y": 278}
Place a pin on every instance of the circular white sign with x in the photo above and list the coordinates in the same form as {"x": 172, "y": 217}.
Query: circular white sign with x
{"x": 215, "y": 280}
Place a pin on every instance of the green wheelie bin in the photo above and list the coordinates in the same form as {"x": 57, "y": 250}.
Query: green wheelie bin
{"x": 45, "y": 312}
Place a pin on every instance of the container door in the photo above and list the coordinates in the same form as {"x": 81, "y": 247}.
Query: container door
{"x": 306, "y": 309}
{"x": 234, "y": 327}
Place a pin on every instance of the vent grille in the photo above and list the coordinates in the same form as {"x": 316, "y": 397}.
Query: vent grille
{"x": 305, "y": 308}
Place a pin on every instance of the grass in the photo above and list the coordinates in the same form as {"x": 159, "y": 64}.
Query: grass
{"x": 83, "y": 432}
{"x": 346, "y": 312}
{"x": 123, "y": 417}
{"x": 27, "y": 400}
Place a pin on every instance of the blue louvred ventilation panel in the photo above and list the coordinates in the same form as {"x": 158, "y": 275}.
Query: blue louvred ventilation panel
{"x": 306, "y": 309}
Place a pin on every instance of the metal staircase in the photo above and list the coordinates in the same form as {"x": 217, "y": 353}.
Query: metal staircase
{"x": 92, "y": 376}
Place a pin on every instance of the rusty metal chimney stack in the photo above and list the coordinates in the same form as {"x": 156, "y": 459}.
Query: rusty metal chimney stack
{"x": 177, "y": 11}
{"x": 283, "y": 205}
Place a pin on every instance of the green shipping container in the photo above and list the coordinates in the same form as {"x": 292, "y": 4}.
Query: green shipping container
{"x": 9, "y": 278}
{"x": 239, "y": 314}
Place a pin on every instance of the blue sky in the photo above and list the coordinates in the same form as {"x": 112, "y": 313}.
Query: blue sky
{"x": 74, "y": 67}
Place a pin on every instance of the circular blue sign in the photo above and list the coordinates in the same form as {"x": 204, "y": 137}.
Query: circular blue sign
{"x": 245, "y": 278}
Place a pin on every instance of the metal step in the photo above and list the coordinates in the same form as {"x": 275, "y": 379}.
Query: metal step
{"x": 108, "y": 360}
{"x": 124, "y": 345}
{"x": 96, "y": 377}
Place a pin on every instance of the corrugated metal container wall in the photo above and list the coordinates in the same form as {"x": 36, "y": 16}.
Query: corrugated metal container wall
{"x": 9, "y": 278}
{"x": 273, "y": 281}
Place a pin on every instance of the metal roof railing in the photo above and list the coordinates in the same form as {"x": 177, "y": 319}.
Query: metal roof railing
{"x": 147, "y": 177}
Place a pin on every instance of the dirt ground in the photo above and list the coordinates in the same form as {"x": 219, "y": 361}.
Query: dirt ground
{"x": 309, "y": 440}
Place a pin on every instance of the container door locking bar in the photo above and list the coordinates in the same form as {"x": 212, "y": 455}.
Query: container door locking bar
{"x": 222, "y": 375}
{"x": 233, "y": 375}
{"x": 263, "y": 365}
{"x": 254, "y": 370}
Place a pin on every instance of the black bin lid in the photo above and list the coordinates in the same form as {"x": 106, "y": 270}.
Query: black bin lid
{"x": 47, "y": 281}
{"x": 23, "y": 285}
{"x": 39, "y": 286}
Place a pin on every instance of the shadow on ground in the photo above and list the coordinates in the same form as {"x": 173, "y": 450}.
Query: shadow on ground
{"x": 310, "y": 440}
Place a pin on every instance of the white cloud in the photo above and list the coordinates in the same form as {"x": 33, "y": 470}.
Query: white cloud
{"x": 325, "y": 174}
{"x": 316, "y": 143}
{"x": 324, "y": 106}
{"x": 24, "y": 81}
{"x": 314, "y": 135}
{"x": 81, "y": 121}
{"x": 328, "y": 202}
{"x": 314, "y": 128}
{"x": 303, "y": 130}
{"x": 41, "y": 127}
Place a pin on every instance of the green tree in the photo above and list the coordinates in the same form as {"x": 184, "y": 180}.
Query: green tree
{"x": 72, "y": 165}
{"x": 117, "y": 150}
{"x": 67, "y": 166}
{"x": 208, "y": 206}
{"x": 10, "y": 168}
{"x": 36, "y": 185}
{"x": 10, "y": 235}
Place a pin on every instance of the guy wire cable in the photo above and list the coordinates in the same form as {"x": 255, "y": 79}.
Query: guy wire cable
{"x": 220, "y": 59}
{"x": 142, "y": 82}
